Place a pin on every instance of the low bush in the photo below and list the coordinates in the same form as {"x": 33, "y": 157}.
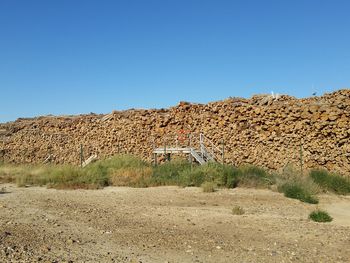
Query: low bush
{"x": 320, "y": 216}
{"x": 330, "y": 182}
{"x": 297, "y": 190}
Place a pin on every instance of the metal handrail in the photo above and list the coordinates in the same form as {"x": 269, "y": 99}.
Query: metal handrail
{"x": 212, "y": 144}
{"x": 214, "y": 148}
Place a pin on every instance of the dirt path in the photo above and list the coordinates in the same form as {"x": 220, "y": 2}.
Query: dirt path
{"x": 338, "y": 207}
{"x": 167, "y": 224}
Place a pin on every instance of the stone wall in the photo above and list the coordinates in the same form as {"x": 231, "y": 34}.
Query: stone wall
{"x": 264, "y": 130}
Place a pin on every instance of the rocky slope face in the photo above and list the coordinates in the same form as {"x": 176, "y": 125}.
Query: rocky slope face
{"x": 264, "y": 130}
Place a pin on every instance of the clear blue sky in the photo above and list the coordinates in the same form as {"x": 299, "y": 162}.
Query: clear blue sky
{"x": 70, "y": 56}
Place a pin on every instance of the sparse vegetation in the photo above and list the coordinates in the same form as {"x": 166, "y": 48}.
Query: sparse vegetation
{"x": 96, "y": 175}
{"x": 330, "y": 182}
{"x": 237, "y": 210}
{"x": 320, "y": 216}
{"x": 64, "y": 176}
{"x": 126, "y": 170}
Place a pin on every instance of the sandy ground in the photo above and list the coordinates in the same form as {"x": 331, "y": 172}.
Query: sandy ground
{"x": 168, "y": 224}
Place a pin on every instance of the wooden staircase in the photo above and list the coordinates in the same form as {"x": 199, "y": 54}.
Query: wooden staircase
{"x": 207, "y": 152}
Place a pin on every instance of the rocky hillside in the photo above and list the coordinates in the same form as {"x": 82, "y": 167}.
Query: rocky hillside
{"x": 264, "y": 130}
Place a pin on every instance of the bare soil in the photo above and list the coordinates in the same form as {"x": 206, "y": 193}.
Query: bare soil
{"x": 168, "y": 224}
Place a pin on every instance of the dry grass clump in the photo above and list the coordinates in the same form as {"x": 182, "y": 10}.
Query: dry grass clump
{"x": 137, "y": 177}
{"x": 297, "y": 186}
{"x": 209, "y": 187}
{"x": 254, "y": 176}
{"x": 237, "y": 210}
{"x": 9, "y": 172}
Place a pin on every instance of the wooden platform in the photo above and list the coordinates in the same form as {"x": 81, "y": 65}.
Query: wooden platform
{"x": 207, "y": 151}
{"x": 166, "y": 150}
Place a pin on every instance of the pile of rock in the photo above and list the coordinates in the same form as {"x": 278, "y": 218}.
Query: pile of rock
{"x": 265, "y": 130}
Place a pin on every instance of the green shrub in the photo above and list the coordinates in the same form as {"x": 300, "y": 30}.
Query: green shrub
{"x": 210, "y": 172}
{"x": 330, "y": 182}
{"x": 168, "y": 173}
{"x": 125, "y": 169}
{"x": 194, "y": 177}
{"x": 221, "y": 175}
{"x": 230, "y": 176}
{"x": 209, "y": 187}
{"x": 253, "y": 176}
{"x": 320, "y": 216}
{"x": 297, "y": 190}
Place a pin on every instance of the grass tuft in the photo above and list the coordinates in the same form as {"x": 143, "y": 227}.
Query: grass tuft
{"x": 297, "y": 190}
{"x": 330, "y": 182}
{"x": 237, "y": 210}
{"x": 320, "y": 216}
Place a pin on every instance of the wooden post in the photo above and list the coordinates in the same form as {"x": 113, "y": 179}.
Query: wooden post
{"x": 165, "y": 149}
{"x": 81, "y": 155}
{"x": 190, "y": 145}
{"x": 155, "y": 159}
{"x": 223, "y": 151}
{"x": 301, "y": 158}
{"x": 50, "y": 154}
{"x": 168, "y": 157}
